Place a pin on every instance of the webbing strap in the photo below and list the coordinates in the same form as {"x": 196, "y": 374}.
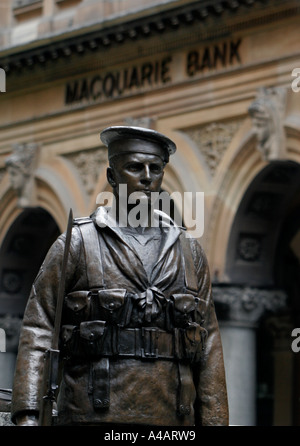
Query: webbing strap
{"x": 101, "y": 383}
{"x": 190, "y": 270}
{"x": 92, "y": 251}
{"x": 184, "y": 395}
{"x": 94, "y": 264}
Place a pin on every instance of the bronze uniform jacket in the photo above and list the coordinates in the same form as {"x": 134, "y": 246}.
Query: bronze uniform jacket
{"x": 140, "y": 391}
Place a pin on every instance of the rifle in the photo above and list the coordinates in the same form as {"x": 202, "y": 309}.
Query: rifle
{"x": 51, "y": 356}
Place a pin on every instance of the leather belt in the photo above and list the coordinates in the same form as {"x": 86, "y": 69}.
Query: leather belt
{"x": 147, "y": 343}
{"x": 95, "y": 339}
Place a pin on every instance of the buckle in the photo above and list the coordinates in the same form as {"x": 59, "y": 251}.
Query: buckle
{"x": 149, "y": 342}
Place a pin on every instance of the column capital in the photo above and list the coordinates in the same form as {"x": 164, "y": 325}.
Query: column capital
{"x": 243, "y": 305}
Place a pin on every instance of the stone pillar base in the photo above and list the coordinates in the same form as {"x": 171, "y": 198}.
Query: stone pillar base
{"x": 239, "y": 309}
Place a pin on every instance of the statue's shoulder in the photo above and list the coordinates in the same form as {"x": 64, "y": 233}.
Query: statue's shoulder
{"x": 82, "y": 221}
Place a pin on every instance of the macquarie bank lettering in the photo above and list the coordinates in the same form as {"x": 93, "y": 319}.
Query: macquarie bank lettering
{"x": 117, "y": 83}
{"x": 151, "y": 74}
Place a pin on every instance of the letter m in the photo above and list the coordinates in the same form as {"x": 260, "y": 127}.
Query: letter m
{"x": 2, "y": 81}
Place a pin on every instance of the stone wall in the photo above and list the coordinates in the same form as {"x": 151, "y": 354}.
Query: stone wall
{"x": 5, "y": 419}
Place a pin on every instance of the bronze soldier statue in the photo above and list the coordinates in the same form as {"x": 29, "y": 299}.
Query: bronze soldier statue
{"x": 139, "y": 338}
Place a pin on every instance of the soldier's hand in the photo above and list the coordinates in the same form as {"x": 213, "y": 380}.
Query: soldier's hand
{"x": 27, "y": 420}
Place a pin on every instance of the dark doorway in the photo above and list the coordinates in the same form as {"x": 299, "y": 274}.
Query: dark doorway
{"x": 287, "y": 276}
{"x": 21, "y": 255}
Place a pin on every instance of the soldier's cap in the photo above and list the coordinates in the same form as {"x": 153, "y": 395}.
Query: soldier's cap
{"x": 129, "y": 139}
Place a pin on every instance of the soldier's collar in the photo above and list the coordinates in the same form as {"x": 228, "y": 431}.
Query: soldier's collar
{"x": 105, "y": 216}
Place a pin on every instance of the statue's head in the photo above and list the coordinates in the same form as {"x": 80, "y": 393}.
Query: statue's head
{"x": 137, "y": 157}
{"x": 128, "y": 139}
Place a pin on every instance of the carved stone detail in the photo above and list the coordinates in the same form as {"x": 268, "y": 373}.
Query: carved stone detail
{"x": 140, "y": 122}
{"x": 21, "y": 165}
{"x": 246, "y": 305}
{"x": 249, "y": 247}
{"x": 12, "y": 281}
{"x": 89, "y": 164}
{"x": 267, "y": 114}
{"x": 213, "y": 140}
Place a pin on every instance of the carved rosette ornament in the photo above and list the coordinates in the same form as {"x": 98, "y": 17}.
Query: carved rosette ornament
{"x": 20, "y": 166}
{"x": 244, "y": 305}
{"x": 267, "y": 114}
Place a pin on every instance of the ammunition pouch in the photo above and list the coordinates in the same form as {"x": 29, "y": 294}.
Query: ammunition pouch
{"x": 110, "y": 305}
{"x": 99, "y": 319}
{"x": 183, "y": 309}
{"x": 77, "y": 306}
{"x": 194, "y": 341}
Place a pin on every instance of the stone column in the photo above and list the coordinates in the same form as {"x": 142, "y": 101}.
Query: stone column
{"x": 10, "y": 326}
{"x": 239, "y": 310}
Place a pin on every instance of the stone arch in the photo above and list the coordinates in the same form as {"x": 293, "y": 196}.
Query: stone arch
{"x": 258, "y": 222}
{"x": 239, "y": 169}
{"x": 58, "y": 190}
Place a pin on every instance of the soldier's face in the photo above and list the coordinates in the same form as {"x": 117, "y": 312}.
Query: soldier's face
{"x": 141, "y": 172}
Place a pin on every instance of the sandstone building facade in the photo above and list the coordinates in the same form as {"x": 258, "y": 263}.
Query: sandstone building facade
{"x": 220, "y": 78}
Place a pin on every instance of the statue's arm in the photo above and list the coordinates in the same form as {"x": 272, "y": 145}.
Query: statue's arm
{"x": 209, "y": 374}
{"x": 36, "y": 333}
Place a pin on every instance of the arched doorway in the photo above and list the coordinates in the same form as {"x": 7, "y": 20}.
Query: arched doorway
{"x": 262, "y": 298}
{"x": 259, "y": 222}
{"x": 21, "y": 255}
{"x": 287, "y": 276}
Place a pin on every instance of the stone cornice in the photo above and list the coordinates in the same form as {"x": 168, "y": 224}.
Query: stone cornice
{"x": 235, "y": 14}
